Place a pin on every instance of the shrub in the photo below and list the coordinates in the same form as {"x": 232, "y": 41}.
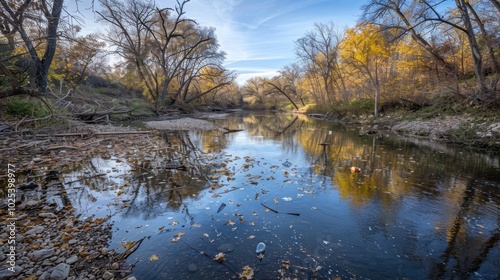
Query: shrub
{"x": 23, "y": 107}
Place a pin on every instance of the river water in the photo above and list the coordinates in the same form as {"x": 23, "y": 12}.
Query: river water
{"x": 415, "y": 209}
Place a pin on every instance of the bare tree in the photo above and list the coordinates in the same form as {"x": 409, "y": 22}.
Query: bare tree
{"x": 475, "y": 49}
{"x": 407, "y": 20}
{"x": 16, "y": 17}
{"x": 168, "y": 50}
{"x": 318, "y": 50}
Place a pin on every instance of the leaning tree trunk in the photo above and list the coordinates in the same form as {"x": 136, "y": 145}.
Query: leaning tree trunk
{"x": 475, "y": 50}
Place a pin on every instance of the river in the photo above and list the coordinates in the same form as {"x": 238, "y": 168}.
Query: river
{"x": 327, "y": 202}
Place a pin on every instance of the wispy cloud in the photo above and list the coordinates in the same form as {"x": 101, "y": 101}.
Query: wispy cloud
{"x": 263, "y": 31}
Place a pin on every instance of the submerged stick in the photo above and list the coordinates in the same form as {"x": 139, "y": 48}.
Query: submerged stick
{"x": 276, "y": 211}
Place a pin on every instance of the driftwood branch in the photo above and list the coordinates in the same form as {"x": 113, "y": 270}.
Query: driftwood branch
{"x": 85, "y": 178}
{"x": 231, "y": 130}
{"x": 77, "y": 134}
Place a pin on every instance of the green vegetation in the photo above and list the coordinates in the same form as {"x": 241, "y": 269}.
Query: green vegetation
{"x": 26, "y": 107}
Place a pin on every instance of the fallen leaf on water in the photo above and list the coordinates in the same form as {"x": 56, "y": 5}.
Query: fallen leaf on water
{"x": 285, "y": 264}
{"x": 153, "y": 257}
{"x": 174, "y": 223}
{"x": 220, "y": 257}
{"x": 196, "y": 225}
{"x": 252, "y": 223}
{"x": 138, "y": 226}
{"x": 276, "y": 201}
{"x": 205, "y": 234}
{"x": 247, "y": 273}
{"x": 260, "y": 256}
{"x": 177, "y": 236}
{"x": 230, "y": 222}
{"x": 251, "y": 237}
{"x": 241, "y": 220}
{"x": 161, "y": 228}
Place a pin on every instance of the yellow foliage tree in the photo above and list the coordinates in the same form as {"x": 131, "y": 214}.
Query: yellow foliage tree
{"x": 365, "y": 49}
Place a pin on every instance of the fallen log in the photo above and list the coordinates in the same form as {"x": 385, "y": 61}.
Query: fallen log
{"x": 83, "y": 134}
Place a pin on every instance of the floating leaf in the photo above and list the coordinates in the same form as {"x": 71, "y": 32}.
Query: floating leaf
{"x": 230, "y": 222}
{"x": 161, "y": 228}
{"x": 251, "y": 237}
{"x": 247, "y": 273}
{"x": 285, "y": 264}
{"x": 174, "y": 223}
{"x": 276, "y": 201}
{"x": 260, "y": 256}
{"x": 220, "y": 257}
{"x": 153, "y": 257}
{"x": 177, "y": 236}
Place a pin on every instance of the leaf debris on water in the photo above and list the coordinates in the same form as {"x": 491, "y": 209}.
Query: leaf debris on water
{"x": 153, "y": 257}
{"x": 247, "y": 273}
{"x": 177, "y": 236}
{"x": 220, "y": 257}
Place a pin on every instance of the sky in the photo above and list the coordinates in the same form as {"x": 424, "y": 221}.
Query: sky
{"x": 258, "y": 35}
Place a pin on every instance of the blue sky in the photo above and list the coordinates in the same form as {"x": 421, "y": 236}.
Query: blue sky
{"x": 258, "y": 35}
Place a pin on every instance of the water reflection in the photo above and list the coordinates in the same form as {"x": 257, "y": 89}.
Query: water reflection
{"x": 415, "y": 210}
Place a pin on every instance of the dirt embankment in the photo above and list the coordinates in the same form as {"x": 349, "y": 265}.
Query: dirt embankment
{"x": 450, "y": 129}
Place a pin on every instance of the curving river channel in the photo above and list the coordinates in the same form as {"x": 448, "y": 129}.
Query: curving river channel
{"x": 415, "y": 209}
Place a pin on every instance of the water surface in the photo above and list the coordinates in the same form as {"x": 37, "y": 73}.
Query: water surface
{"x": 416, "y": 210}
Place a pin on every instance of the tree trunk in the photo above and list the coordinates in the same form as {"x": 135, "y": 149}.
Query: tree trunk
{"x": 486, "y": 38}
{"x": 44, "y": 64}
{"x": 475, "y": 49}
{"x": 421, "y": 41}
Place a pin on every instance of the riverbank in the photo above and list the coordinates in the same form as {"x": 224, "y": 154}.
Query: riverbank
{"x": 47, "y": 238}
{"x": 474, "y": 131}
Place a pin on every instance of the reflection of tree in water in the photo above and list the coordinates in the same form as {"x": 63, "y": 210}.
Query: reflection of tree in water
{"x": 277, "y": 127}
{"x": 163, "y": 181}
{"x": 457, "y": 260}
